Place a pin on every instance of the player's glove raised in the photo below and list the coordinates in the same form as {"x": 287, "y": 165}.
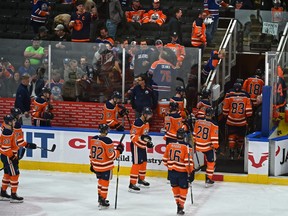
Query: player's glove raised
{"x": 120, "y": 148}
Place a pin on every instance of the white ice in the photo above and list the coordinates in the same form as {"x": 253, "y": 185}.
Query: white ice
{"x": 69, "y": 194}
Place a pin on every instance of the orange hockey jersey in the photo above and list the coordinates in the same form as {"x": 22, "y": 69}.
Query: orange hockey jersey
{"x": 253, "y": 85}
{"x": 198, "y": 36}
{"x": 178, "y": 49}
{"x": 134, "y": 15}
{"x": 173, "y": 122}
{"x": 8, "y": 145}
{"x": 237, "y": 107}
{"x": 39, "y": 107}
{"x": 139, "y": 128}
{"x": 102, "y": 153}
{"x": 156, "y": 15}
{"x": 201, "y": 108}
{"x": 178, "y": 157}
{"x": 110, "y": 113}
{"x": 205, "y": 135}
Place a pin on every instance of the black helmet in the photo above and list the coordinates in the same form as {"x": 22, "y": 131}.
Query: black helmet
{"x": 116, "y": 94}
{"x": 258, "y": 72}
{"x": 180, "y": 133}
{"x": 147, "y": 110}
{"x": 46, "y": 90}
{"x": 206, "y": 93}
{"x": 15, "y": 112}
{"x": 180, "y": 89}
{"x": 239, "y": 80}
{"x": 209, "y": 111}
{"x": 103, "y": 128}
{"x": 8, "y": 119}
{"x": 173, "y": 106}
{"x": 237, "y": 86}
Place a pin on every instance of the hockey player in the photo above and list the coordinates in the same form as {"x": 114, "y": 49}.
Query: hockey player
{"x": 203, "y": 104}
{"x": 253, "y": 86}
{"x": 102, "y": 156}
{"x": 212, "y": 64}
{"x": 9, "y": 158}
{"x": 180, "y": 98}
{"x": 173, "y": 121}
{"x": 140, "y": 140}
{"x": 237, "y": 108}
{"x": 42, "y": 109}
{"x": 179, "y": 161}
{"x": 205, "y": 136}
{"x": 111, "y": 110}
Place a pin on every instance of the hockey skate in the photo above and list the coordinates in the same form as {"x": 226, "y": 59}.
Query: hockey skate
{"x": 143, "y": 183}
{"x": 16, "y": 199}
{"x": 103, "y": 203}
{"x": 208, "y": 182}
{"x": 232, "y": 154}
{"x": 133, "y": 188}
{"x": 4, "y": 196}
{"x": 180, "y": 210}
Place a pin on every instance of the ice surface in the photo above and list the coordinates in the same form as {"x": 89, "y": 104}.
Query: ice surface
{"x": 69, "y": 194}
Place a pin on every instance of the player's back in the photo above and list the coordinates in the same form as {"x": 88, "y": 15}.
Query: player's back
{"x": 253, "y": 86}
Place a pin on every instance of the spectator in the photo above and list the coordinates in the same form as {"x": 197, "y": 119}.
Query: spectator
{"x": 37, "y": 82}
{"x": 61, "y": 35}
{"x": 13, "y": 85}
{"x": 104, "y": 37}
{"x": 26, "y": 68}
{"x": 142, "y": 96}
{"x": 212, "y": 64}
{"x": 73, "y": 72}
{"x": 80, "y": 23}
{"x": 134, "y": 17}
{"x": 142, "y": 60}
{"x": 211, "y": 7}
{"x": 198, "y": 37}
{"x": 22, "y": 100}
{"x": 242, "y": 4}
{"x": 56, "y": 84}
{"x": 111, "y": 11}
{"x": 43, "y": 34}
{"x": 35, "y": 52}
{"x": 40, "y": 12}
{"x": 157, "y": 50}
{"x": 86, "y": 67}
{"x": 132, "y": 51}
{"x": 3, "y": 85}
{"x": 174, "y": 24}
{"x": 155, "y": 15}
{"x": 178, "y": 49}
{"x": 7, "y": 68}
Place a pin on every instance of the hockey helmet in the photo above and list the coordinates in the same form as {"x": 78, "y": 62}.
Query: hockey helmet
{"x": 46, "y": 90}
{"x": 8, "y": 119}
{"x": 180, "y": 133}
{"x": 173, "y": 106}
{"x": 15, "y": 112}
{"x": 206, "y": 93}
{"x": 147, "y": 110}
{"x": 116, "y": 94}
{"x": 209, "y": 111}
{"x": 237, "y": 86}
{"x": 180, "y": 89}
{"x": 103, "y": 128}
{"x": 258, "y": 72}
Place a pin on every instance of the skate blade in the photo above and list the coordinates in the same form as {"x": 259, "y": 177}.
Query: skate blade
{"x": 100, "y": 207}
{"x": 143, "y": 186}
{"x": 4, "y": 199}
{"x": 133, "y": 191}
{"x": 16, "y": 201}
{"x": 208, "y": 185}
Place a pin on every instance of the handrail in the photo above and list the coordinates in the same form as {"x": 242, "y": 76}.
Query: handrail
{"x": 282, "y": 43}
{"x": 224, "y": 43}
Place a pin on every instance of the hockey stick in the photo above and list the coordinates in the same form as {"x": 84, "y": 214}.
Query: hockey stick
{"x": 128, "y": 119}
{"x": 51, "y": 150}
{"x": 118, "y": 168}
{"x": 19, "y": 158}
{"x": 190, "y": 184}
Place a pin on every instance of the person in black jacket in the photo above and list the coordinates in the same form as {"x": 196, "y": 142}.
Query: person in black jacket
{"x": 142, "y": 96}
{"x": 174, "y": 24}
{"x": 37, "y": 82}
{"x": 23, "y": 101}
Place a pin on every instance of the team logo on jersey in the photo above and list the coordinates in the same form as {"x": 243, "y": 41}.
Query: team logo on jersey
{"x": 263, "y": 158}
{"x": 44, "y": 7}
{"x": 78, "y": 25}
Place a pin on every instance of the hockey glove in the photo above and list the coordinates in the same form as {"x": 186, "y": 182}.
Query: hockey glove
{"x": 119, "y": 127}
{"x": 123, "y": 112}
{"x": 91, "y": 169}
{"x": 191, "y": 176}
{"x": 146, "y": 138}
{"x": 14, "y": 157}
{"x": 120, "y": 148}
{"x": 31, "y": 146}
{"x": 150, "y": 144}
